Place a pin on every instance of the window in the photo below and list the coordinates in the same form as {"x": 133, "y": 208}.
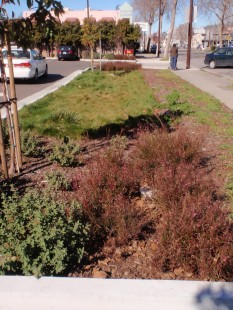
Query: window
{"x": 230, "y": 52}
{"x": 220, "y": 51}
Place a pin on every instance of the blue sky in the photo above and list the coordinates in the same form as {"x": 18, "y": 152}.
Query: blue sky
{"x": 94, "y": 4}
{"x": 72, "y": 4}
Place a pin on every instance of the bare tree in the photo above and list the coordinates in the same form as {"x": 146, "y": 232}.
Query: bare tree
{"x": 147, "y": 11}
{"x": 173, "y": 8}
{"x": 181, "y": 33}
{"x": 221, "y": 9}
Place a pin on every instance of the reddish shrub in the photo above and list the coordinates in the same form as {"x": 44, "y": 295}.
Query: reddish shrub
{"x": 120, "y": 66}
{"x": 124, "y": 57}
{"x": 171, "y": 149}
{"x": 196, "y": 235}
{"x": 193, "y": 230}
{"x": 106, "y": 190}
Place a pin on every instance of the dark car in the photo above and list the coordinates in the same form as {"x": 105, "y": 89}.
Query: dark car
{"x": 221, "y": 57}
{"x": 153, "y": 49}
{"x": 67, "y": 52}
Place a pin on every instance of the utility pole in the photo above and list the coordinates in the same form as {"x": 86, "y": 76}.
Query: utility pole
{"x": 159, "y": 30}
{"x": 190, "y": 33}
{"x": 88, "y": 9}
{"x": 100, "y": 47}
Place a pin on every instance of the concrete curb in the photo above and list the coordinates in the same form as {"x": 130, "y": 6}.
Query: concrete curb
{"x": 50, "y": 89}
{"x": 79, "y": 293}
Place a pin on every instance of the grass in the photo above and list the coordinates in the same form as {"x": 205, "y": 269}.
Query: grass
{"x": 206, "y": 109}
{"x": 91, "y": 101}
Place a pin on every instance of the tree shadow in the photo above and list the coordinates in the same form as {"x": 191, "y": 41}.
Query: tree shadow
{"x": 130, "y": 126}
{"x": 212, "y": 298}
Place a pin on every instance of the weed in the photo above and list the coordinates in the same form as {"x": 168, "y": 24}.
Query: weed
{"x": 30, "y": 144}
{"x": 65, "y": 153}
{"x": 57, "y": 181}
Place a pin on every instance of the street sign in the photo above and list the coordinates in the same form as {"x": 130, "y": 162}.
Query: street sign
{"x": 144, "y": 26}
{"x": 187, "y": 14}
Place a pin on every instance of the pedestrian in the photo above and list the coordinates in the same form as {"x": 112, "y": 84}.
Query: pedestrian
{"x": 173, "y": 56}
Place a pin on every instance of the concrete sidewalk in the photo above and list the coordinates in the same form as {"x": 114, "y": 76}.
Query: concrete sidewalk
{"x": 54, "y": 293}
{"x": 219, "y": 86}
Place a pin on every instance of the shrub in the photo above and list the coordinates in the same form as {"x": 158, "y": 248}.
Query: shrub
{"x": 65, "y": 153}
{"x": 120, "y": 66}
{"x": 161, "y": 147}
{"x": 57, "y": 181}
{"x": 30, "y": 144}
{"x": 124, "y": 57}
{"x": 193, "y": 229}
{"x": 38, "y": 235}
{"x": 105, "y": 190}
{"x": 196, "y": 235}
{"x": 108, "y": 56}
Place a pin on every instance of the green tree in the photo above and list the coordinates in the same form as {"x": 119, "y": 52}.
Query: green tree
{"x": 107, "y": 31}
{"x": 90, "y": 36}
{"x": 68, "y": 33}
{"x": 127, "y": 35}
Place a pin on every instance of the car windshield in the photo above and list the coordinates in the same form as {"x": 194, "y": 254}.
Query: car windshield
{"x": 18, "y": 54}
{"x": 66, "y": 48}
{"x": 220, "y": 51}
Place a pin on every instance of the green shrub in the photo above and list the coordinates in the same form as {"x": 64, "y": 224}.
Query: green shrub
{"x": 108, "y": 56}
{"x": 173, "y": 98}
{"x": 212, "y": 48}
{"x": 57, "y": 181}
{"x": 38, "y": 235}
{"x": 30, "y": 144}
{"x": 176, "y": 105}
{"x": 65, "y": 153}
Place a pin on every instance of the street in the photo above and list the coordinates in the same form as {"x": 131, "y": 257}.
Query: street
{"x": 197, "y": 61}
{"x": 57, "y": 71}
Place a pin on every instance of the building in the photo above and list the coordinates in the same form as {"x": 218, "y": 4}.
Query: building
{"x": 124, "y": 11}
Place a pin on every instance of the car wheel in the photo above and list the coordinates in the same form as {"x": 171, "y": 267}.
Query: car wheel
{"x": 46, "y": 71}
{"x": 212, "y": 64}
{"x": 35, "y": 78}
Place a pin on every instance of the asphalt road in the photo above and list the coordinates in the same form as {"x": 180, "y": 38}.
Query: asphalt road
{"x": 197, "y": 61}
{"x": 57, "y": 71}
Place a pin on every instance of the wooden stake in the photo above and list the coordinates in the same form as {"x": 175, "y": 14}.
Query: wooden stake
{"x": 13, "y": 100}
{"x": 3, "y": 151}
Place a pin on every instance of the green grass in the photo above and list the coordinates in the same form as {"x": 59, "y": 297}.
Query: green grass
{"x": 91, "y": 101}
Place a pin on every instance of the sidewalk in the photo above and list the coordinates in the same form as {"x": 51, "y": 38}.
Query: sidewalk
{"x": 54, "y": 293}
{"x": 221, "y": 87}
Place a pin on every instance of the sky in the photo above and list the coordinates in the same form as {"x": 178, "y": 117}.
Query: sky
{"x": 94, "y": 4}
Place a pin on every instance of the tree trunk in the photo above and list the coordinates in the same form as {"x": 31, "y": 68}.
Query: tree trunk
{"x": 221, "y": 27}
{"x": 170, "y": 32}
{"x": 149, "y": 38}
{"x": 92, "y": 59}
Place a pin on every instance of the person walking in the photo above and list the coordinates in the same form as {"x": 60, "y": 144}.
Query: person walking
{"x": 173, "y": 56}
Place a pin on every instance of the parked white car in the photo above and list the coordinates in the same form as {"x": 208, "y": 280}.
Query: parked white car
{"x": 27, "y": 64}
